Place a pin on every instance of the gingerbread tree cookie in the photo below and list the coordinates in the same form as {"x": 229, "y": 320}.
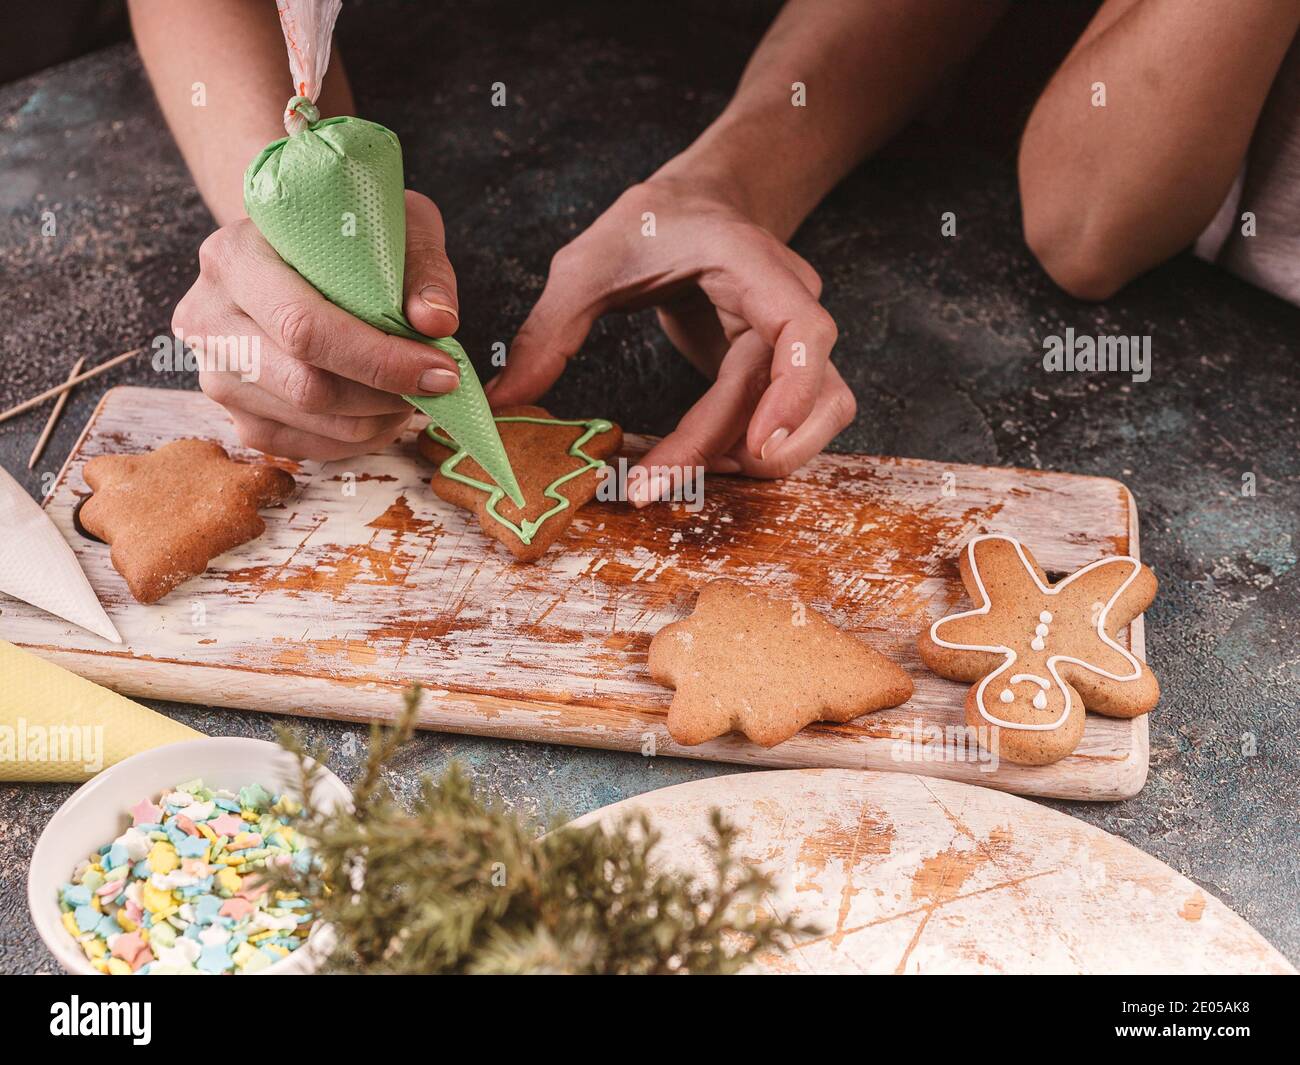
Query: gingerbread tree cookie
{"x": 765, "y": 667}
{"x": 1042, "y": 653}
{"x": 168, "y": 513}
{"x": 556, "y": 462}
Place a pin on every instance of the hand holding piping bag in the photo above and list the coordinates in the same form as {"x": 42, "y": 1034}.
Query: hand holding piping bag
{"x": 329, "y": 386}
{"x": 301, "y": 192}
{"x": 329, "y": 200}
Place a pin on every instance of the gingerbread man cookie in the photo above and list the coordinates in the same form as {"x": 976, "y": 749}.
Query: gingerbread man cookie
{"x": 168, "y": 513}
{"x": 765, "y": 667}
{"x": 556, "y": 462}
{"x": 1039, "y": 654}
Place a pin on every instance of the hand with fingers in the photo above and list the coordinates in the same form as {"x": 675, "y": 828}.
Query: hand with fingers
{"x": 732, "y": 298}
{"x": 325, "y": 385}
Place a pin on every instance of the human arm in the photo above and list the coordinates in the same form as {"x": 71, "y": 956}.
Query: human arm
{"x": 328, "y": 385}
{"x": 730, "y": 295}
{"x": 1108, "y": 192}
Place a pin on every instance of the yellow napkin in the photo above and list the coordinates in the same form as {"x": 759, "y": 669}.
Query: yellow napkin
{"x": 57, "y": 726}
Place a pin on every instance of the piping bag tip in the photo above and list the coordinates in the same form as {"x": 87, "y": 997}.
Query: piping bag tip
{"x": 466, "y": 417}
{"x": 516, "y": 496}
{"x": 106, "y": 630}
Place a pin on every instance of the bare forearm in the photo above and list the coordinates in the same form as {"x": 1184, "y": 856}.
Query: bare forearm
{"x": 1110, "y": 191}
{"x": 867, "y": 69}
{"x": 219, "y": 70}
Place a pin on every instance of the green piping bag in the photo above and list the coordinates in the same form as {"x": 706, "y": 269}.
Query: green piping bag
{"x": 330, "y": 198}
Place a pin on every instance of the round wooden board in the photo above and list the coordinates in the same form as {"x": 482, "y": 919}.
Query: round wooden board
{"x": 905, "y": 874}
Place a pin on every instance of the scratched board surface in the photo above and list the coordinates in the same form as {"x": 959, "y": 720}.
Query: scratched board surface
{"x": 365, "y": 581}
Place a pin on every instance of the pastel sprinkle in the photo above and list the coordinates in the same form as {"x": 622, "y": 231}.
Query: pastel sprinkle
{"x": 154, "y": 898}
{"x": 181, "y": 953}
{"x": 76, "y": 896}
{"x": 180, "y": 892}
{"x": 127, "y": 946}
{"x": 145, "y": 813}
{"x": 107, "y": 926}
{"x": 215, "y": 959}
{"x": 162, "y": 857}
{"x": 192, "y": 847}
{"x": 206, "y": 908}
{"x": 198, "y": 811}
{"x": 134, "y": 843}
{"x": 255, "y": 797}
{"x": 237, "y": 908}
{"x": 226, "y": 825}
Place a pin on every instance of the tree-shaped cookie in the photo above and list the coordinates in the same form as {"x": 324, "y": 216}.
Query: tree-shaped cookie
{"x": 556, "y": 462}
{"x": 168, "y": 513}
{"x": 765, "y": 667}
{"x": 1039, "y": 654}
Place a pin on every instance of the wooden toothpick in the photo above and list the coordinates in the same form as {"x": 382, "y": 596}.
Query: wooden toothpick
{"x": 71, "y": 382}
{"x": 59, "y": 404}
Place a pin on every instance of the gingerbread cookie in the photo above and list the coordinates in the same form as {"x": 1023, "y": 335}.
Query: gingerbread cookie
{"x": 765, "y": 667}
{"x": 168, "y": 513}
{"x": 1042, "y": 653}
{"x": 556, "y": 462}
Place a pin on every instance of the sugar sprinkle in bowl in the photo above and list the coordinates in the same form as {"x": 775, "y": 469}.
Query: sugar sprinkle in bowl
{"x": 97, "y": 812}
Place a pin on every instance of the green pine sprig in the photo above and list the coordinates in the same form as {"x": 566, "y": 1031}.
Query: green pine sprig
{"x": 457, "y": 885}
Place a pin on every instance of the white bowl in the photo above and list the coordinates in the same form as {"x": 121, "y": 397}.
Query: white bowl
{"x": 97, "y": 812}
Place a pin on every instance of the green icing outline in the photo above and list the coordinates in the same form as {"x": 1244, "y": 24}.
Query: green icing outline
{"x": 495, "y": 493}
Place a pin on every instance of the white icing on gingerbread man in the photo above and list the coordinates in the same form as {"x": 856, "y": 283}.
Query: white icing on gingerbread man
{"x": 1036, "y": 647}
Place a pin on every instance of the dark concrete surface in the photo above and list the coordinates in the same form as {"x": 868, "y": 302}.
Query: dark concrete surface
{"x": 941, "y": 340}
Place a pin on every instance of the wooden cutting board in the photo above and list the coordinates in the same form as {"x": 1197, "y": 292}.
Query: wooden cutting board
{"x": 905, "y": 875}
{"x": 365, "y": 581}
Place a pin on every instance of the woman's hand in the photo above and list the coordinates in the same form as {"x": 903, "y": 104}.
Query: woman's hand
{"x": 326, "y": 385}
{"x": 730, "y": 296}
